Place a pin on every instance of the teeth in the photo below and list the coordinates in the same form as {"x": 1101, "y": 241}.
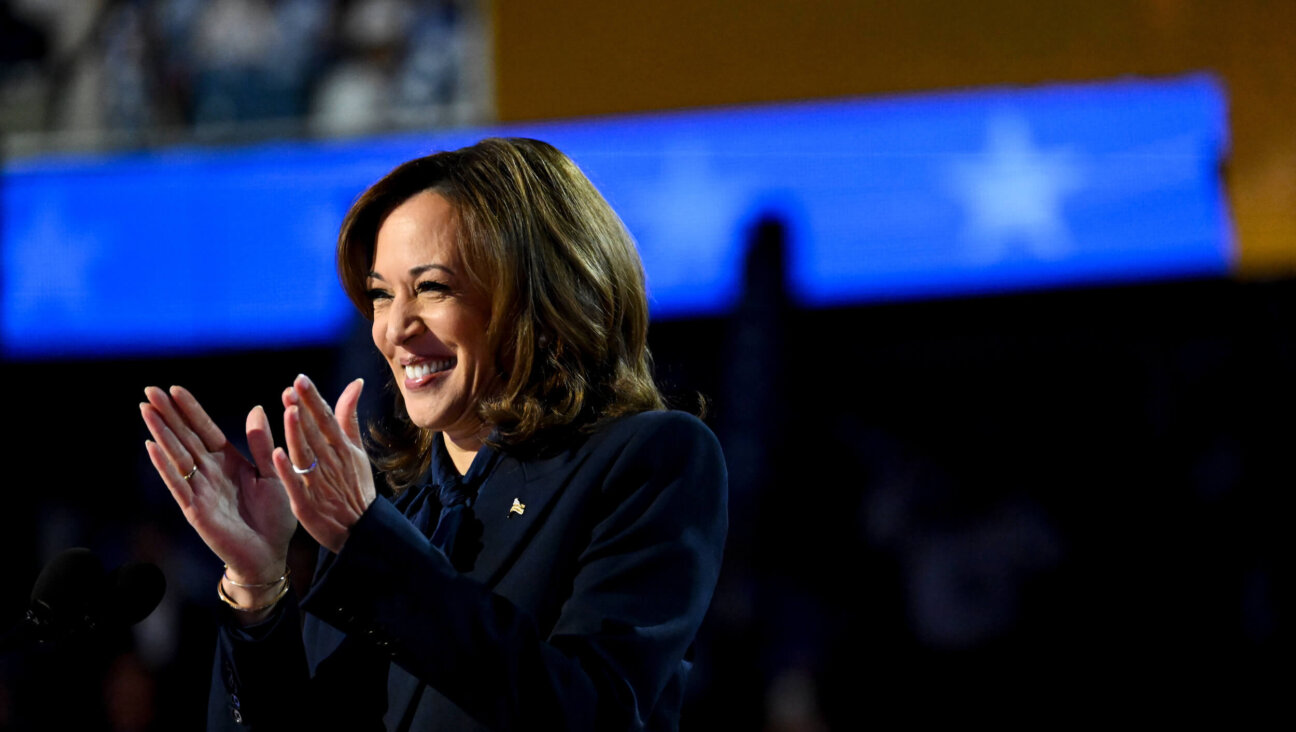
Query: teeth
{"x": 418, "y": 370}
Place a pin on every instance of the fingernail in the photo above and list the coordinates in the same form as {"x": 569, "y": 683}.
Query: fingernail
{"x": 304, "y": 381}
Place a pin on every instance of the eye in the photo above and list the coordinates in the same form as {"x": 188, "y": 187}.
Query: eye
{"x": 375, "y": 294}
{"x": 432, "y": 286}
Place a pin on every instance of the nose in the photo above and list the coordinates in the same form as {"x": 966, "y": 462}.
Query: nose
{"x": 403, "y": 320}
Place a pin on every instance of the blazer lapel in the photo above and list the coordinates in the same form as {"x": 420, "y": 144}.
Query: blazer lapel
{"x": 510, "y": 506}
{"x": 505, "y": 531}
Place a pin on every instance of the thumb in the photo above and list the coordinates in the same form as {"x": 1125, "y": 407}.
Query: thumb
{"x": 260, "y": 443}
{"x": 348, "y": 410}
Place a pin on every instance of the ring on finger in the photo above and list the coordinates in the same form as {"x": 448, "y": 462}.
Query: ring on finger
{"x": 192, "y": 472}
{"x": 302, "y": 471}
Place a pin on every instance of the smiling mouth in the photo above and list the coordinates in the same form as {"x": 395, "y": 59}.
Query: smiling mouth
{"x": 427, "y": 368}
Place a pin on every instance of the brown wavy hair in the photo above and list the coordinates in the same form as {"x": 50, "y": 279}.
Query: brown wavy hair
{"x": 569, "y": 313}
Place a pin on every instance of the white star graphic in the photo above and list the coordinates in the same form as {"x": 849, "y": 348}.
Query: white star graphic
{"x": 1012, "y": 193}
{"x": 687, "y": 221}
{"x": 48, "y": 275}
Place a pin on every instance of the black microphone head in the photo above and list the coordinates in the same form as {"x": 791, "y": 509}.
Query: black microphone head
{"x": 73, "y": 595}
{"x": 66, "y": 589}
{"x": 134, "y": 590}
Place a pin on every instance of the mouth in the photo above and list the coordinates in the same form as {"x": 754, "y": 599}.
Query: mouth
{"x": 417, "y": 374}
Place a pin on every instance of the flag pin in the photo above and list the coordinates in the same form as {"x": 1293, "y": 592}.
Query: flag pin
{"x": 518, "y": 507}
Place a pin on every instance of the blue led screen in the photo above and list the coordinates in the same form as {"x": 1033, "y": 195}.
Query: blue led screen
{"x": 191, "y": 250}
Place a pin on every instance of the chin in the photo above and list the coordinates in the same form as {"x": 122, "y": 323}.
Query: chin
{"x": 430, "y": 425}
{"x": 425, "y": 421}
{"x": 434, "y": 421}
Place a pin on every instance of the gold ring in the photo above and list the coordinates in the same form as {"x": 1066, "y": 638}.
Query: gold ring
{"x": 192, "y": 472}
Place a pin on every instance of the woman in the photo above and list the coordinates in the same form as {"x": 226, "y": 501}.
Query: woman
{"x": 553, "y": 537}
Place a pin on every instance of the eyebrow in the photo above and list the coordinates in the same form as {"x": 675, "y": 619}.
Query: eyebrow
{"x": 416, "y": 271}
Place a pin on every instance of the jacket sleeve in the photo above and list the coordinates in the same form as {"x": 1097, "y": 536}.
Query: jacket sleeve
{"x": 258, "y": 672}
{"x": 643, "y": 584}
{"x": 261, "y": 680}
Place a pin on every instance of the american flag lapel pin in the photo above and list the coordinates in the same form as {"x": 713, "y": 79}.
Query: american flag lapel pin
{"x": 517, "y": 508}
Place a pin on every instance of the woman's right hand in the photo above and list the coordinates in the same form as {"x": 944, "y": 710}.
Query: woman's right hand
{"x": 239, "y": 508}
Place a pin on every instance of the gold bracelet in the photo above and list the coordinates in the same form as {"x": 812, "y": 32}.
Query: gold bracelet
{"x": 287, "y": 573}
{"x": 220, "y": 590}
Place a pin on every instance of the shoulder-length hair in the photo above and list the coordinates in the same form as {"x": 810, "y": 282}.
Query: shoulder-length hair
{"x": 568, "y": 310}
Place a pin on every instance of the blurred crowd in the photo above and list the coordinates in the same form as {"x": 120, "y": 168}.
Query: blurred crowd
{"x": 124, "y": 73}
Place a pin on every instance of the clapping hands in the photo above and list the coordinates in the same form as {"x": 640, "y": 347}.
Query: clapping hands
{"x": 246, "y": 511}
{"x": 325, "y": 469}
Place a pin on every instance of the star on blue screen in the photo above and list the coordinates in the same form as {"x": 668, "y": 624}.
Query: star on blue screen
{"x": 935, "y": 195}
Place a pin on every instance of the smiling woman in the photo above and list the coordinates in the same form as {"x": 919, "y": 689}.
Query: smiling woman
{"x": 568, "y": 312}
{"x": 430, "y": 322}
{"x": 553, "y": 535}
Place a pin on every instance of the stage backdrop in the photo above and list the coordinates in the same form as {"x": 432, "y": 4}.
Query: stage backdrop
{"x": 195, "y": 250}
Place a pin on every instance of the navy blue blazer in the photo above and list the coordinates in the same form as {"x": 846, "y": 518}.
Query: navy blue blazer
{"x": 577, "y": 613}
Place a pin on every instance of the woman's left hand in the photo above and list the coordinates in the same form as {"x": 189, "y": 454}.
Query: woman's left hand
{"x": 325, "y": 468}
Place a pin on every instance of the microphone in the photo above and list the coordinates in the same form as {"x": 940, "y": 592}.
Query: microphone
{"x": 134, "y": 589}
{"x": 60, "y": 599}
{"x": 73, "y": 596}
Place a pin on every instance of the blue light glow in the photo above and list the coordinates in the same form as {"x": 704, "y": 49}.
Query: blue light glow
{"x": 192, "y": 250}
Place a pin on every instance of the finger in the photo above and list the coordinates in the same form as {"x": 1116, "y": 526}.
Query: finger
{"x": 319, "y": 412}
{"x": 327, "y": 530}
{"x": 331, "y": 474}
{"x": 175, "y": 421}
{"x": 289, "y": 397}
{"x": 299, "y": 450}
{"x": 319, "y": 431}
{"x": 299, "y": 499}
{"x": 178, "y": 455}
{"x": 175, "y": 482}
{"x": 283, "y": 467}
{"x": 348, "y": 411}
{"x": 212, "y": 437}
{"x": 292, "y": 482}
{"x": 260, "y": 442}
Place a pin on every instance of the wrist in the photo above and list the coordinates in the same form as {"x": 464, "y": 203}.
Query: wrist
{"x": 260, "y": 578}
{"x": 252, "y": 601}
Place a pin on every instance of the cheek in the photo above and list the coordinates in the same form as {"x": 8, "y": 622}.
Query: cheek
{"x": 476, "y": 341}
{"x": 379, "y": 333}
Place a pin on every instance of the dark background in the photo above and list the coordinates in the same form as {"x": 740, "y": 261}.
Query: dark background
{"x": 1025, "y": 507}
{"x": 948, "y": 510}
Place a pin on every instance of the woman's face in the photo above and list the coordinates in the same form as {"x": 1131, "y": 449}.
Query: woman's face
{"x": 429, "y": 323}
